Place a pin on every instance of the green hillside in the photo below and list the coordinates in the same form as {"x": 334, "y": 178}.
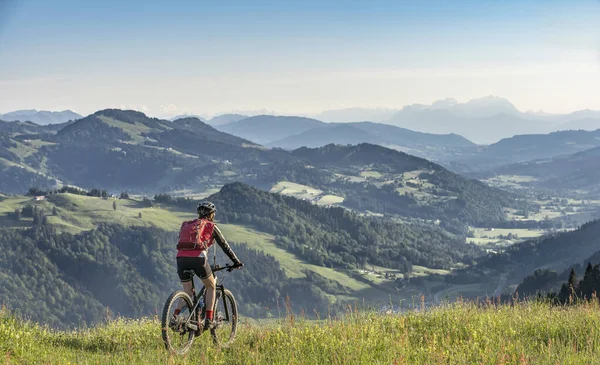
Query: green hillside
{"x": 456, "y": 334}
{"x": 573, "y": 172}
{"x": 557, "y": 252}
{"x": 376, "y": 179}
{"x": 77, "y": 213}
{"x": 58, "y": 238}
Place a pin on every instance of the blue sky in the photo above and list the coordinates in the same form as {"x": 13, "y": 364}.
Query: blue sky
{"x": 292, "y": 56}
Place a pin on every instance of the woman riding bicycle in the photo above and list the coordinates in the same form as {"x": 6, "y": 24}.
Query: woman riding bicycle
{"x": 197, "y": 261}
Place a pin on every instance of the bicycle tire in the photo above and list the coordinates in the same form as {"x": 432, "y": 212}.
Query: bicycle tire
{"x": 217, "y": 333}
{"x": 168, "y": 332}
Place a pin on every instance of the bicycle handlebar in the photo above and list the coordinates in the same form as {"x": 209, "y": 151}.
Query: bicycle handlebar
{"x": 227, "y": 267}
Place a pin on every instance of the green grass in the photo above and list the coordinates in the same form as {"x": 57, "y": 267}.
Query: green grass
{"x": 521, "y": 232}
{"x": 293, "y": 189}
{"x": 292, "y": 265}
{"x": 5, "y": 163}
{"x": 424, "y": 271}
{"x": 26, "y": 149}
{"x": 330, "y": 199}
{"x": 457, "y": 333}
{"x": 134, "y": 130}
{"x": 371, "y": 174}
{"x": 305, "y": 192}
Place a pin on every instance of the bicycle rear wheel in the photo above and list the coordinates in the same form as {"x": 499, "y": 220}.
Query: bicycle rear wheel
{"x": 226, "y": 319}
{"x": 176, "y": 334}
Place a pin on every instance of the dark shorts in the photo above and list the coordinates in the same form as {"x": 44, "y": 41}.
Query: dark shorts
{"x": 198, "y": 264}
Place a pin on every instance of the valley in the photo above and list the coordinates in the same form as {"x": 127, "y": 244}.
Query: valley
{"x": 336, "y": 224}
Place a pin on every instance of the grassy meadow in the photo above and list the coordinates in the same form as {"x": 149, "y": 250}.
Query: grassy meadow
{"x": 457, "y": 333}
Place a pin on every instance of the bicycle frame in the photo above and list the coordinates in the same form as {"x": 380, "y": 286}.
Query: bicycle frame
{"x": 219, "y": 292}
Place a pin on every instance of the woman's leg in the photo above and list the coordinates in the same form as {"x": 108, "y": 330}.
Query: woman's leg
{"x": 185, "y": 263}
{"x": 210, "y": 285}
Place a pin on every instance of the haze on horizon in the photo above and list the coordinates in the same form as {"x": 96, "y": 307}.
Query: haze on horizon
{"x": 296, "y": 57}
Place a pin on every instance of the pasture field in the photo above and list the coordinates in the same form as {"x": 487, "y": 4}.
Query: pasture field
{"x": 306, "y": 192}
{"x": 455, "y": 333}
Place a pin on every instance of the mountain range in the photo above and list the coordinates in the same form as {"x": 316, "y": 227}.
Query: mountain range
{"x": 295, "y": 132}
{"x": 41, "y": 117}
{"x": 127, "y": 150}
{"x": 451, "y": 150}
{"x": 482, "y": 120}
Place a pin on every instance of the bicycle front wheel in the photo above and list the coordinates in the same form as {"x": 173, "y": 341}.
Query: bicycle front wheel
{"x": 226, "y": 319}
{"x": 176, "y": 332}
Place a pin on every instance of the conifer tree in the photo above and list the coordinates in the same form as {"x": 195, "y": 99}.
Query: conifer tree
{"x": 572, "y": 279}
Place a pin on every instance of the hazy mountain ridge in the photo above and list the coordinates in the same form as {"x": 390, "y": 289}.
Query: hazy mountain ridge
{"x": 264, "y": 129}
{"x": 350, "y": 115}
{"x": 431, "y": 146}
{"x": 525, "y": 148}
{"x": 226, "y": 119}
{"x": 41, "y": 117}
{"x": 487, "y": 119}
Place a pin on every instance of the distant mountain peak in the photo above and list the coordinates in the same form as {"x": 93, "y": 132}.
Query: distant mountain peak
{"x": 191, "y": 122}
{"x": 184, "y": 116}
{"x": 492, "y": 103}
{"x": 444, "y": 104}
{"x": 112, "y": 112}
{"x": 226, "y": 119}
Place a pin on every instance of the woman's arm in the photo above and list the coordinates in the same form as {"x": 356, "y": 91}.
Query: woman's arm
{"x": 218, "y": 236}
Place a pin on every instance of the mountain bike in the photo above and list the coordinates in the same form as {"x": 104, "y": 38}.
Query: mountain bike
{"x": 178, "y": 332}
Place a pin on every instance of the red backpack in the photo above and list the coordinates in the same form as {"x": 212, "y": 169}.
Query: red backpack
{"x": 196, "y": 235}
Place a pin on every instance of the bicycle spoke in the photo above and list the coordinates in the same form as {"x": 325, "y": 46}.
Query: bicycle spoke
{"x": 176, "y": 333}
{"x": 225, "y": 320}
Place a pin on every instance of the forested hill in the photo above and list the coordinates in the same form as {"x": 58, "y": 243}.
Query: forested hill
{"x": 208, "y": 132}
{"x": 123, "y": 149}
{"x": 336, "y": 237}
{"x": 536, "y": 146}
{"x": 521, "y": 149}
{"x": 60, "y": 277}
{"x": 72, "y": 280}
{"x": 556, "y": 252}
{"x": 397, "y": 183}
{"x": 364, "y": 154}
{"x": 576, "y": 171}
